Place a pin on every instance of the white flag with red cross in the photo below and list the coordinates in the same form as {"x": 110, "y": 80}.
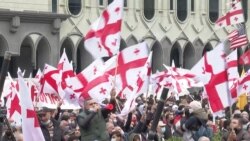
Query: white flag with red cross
{"x": 212, "y": 71}
{"x": 104, "y": 37}
{"x": 242, "y": 85}
{"x": 234, "y": 16}
{"x": 78, "y": 82}
{"x": 176, "y": 79}
{"x": 30, "y": 124}
{"x": 99, "y": 89}
{"x": 13, "y": 102}
{"x": 144, "y": 75}
{"x": 232, "y": 73}
{"x": 129, "y": 64}
{"x": 50, "y": 80}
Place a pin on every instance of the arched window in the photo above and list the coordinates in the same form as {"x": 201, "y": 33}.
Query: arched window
{"x": 213, "y": 10}
{"x": 149, "y": 9}
{"x": 75, "y": 6}
{"x": 125, "y": 3}
{"x": 182, "y": 9}
{"x": 245, "y": 6}
{"x": 171, "y": 3}
{"x": 101, "y": 2}
{"x": 192, "y": 5}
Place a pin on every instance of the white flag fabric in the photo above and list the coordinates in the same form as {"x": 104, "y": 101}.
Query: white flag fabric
{"x": 104, "y": 37}
{"x": 30, "y": 124}
{"x": 130, "y": 62}
{"x": 50, "y": 80}
{"x": 232, "y": 72}
{"x": 213, "y": 73}
{"x": 232, "y": 17}
{"x": 13, "y": 102}
{"x": 88, "y": 74}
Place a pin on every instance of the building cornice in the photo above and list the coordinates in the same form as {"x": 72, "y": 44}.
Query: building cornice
{"x": 31, "y": 16}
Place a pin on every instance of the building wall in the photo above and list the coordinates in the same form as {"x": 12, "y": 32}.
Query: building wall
{"x": 171, "y": 39}
{"x": 164, "y": 33}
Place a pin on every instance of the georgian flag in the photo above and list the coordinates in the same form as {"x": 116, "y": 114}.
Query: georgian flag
{"x": 13, "y": 102}
{"x": 232, "y": 67}
{"x": 80, "y": 81}
{"x": 212, "y": 71}
{"x": 232, "y": 73}
{"x": 30, "y": 124}
{"x": 129, "y": 64}
{"x": 104, "y": 37}
{"x": 50, "y": 80}
{"x": 176, "y": 79}
{"x": 242, "y": 85}
{"x": 233, "y": 16}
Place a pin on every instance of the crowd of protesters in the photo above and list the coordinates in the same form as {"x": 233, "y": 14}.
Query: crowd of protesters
{"x": 188, "y": 118}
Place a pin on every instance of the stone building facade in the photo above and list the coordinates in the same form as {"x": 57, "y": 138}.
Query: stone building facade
{"x": 179, "y": 30}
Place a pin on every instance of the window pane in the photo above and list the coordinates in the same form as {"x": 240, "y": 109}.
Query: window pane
{"x": 182, "y": 9}
{"x": 171, "y": 5}
{"x": 192, "y": 5}
{"x": 125, "y": 3}
{"x": 110, "y": 1}
{"x": 54, "y": 6}
{"x": 213, "y": 10}
{"x": 244, "y": 6}
{"x": 149, "y": 9}
{"x": 75, "y": 6}
{"x": 101, "y": 2}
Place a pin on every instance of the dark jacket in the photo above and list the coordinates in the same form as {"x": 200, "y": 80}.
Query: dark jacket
{"x": 57, "y": 132}
{"x": 241, "y": 135}
{"x": 93, "y": 124}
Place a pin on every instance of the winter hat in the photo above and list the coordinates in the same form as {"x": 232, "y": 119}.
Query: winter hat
{"x": 195, "y": 105}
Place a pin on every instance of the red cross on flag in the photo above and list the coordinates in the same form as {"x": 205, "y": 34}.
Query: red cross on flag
{"x": 88, "y": 74}
{"x": 130, "y": 62}
{"x": 142, "y": 82}
{"x": 232, "y": 71}
{"x": 242, "y": 86}
{"x": 13, "y": 103}
{"x": 176, "y": 79}
{"x": 30, "y": 125}
{"x": 213, "y": 73}
{"x": 104, "y": 37}
{"x": 50, "y": 80}
{"x": 232, "y": 67}
{"x": 233, "y": 16}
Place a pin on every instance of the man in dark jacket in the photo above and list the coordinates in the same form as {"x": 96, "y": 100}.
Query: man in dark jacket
{"x": 237, "y": 133}
{"x": 50, "y": 126}
{"x": 92, "y": 120}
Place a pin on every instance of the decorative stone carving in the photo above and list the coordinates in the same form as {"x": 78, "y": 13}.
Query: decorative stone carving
{"x": 56, "y": 26}
{"x": 15, "y": 23}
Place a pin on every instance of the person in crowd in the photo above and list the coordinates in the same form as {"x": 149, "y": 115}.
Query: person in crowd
{"x": 195, "y": 124}
{"x": 49, "y": 125}
{"x": 247, "y": 106}
{"x": 169, "y": 128}
{"x": 245, "y": 118}
{"x": 225, "y": 128}
{"x": 237, "y": 132}
{"x": 161, "y": 129}
{"x": 92, "y": 121}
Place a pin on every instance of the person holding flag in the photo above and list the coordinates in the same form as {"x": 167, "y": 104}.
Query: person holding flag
{"x": 92, "y": 119}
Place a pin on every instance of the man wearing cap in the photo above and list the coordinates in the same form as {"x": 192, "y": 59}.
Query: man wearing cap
{"x": 50, "y": 127}
{"x": 92, "y": 120}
